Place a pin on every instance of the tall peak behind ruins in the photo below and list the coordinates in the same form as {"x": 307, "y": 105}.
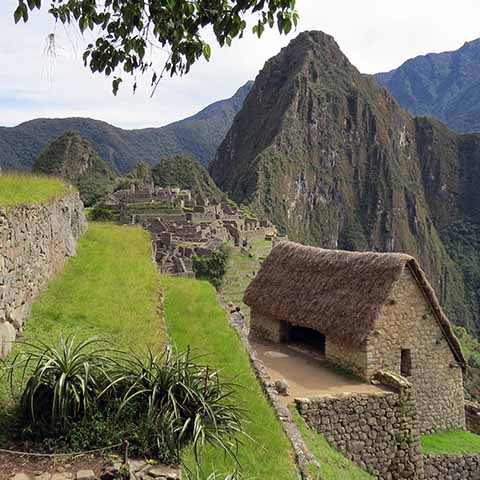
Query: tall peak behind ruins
{"x": 330, "y": 157}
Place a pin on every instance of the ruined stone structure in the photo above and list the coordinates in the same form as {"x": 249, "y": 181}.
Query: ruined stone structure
{"x": 367, "y": 312}
{"x": 377, "y": 431}
{"x": 183, "y": 224}
{"x": 34, "y": 243}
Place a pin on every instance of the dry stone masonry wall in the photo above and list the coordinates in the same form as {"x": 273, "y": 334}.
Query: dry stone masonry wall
{"x": 452, "y": 467}
{"x": 34, "y": 242}
{"x": 472, "y": 417}
{"x": 406, "y": 321}
{"x": 379, "y": 432}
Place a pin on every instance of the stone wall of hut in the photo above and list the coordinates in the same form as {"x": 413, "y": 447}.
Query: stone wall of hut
{"x": 350, "y": 357}
{"x": 406, "y": 321}
{"x": 34, "y": 242}
{"x": 267, "y": 328}
{"x": 472, "y": 417}
{"x": 379, "y": 432}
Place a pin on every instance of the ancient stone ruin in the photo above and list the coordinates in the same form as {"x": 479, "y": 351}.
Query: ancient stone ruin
{"x": 183, "y": 224}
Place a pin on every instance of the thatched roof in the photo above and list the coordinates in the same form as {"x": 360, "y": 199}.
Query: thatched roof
{"x": 336, "y": 292}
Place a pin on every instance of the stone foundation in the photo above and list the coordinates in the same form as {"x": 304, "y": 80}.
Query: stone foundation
{"x": 378, "y": 432}
{"x": 454, "y": 467}
{"x": 34, "y": 242}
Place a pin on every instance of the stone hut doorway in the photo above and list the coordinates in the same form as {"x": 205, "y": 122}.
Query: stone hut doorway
{"x": 308, "y": 337}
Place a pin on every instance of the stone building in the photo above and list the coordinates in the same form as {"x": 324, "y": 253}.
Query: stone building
{"x": 366, "y": 312}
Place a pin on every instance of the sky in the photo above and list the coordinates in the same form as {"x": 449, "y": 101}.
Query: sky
{"x": 376, "y": 35}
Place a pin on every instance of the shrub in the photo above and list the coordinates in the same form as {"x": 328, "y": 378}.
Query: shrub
{"x": 65, "y": 381}
{"x": 81, "y": 395}
{"x": 212, "y": 268}
{"x": 182, "y": 402}
{"x": 101, "y": 213}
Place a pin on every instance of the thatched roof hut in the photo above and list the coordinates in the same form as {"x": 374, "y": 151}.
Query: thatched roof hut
{"x": 336, "y": 292}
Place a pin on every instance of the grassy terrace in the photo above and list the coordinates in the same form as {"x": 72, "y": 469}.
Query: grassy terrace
{"x": 17, "y": 189}
{"x": 453, "y": 442}
{"x": 195, "y": 319}
{"x": 110, "y": 289}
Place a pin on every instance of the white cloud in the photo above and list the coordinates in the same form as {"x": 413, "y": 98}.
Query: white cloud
{"x": 376, "y": 35}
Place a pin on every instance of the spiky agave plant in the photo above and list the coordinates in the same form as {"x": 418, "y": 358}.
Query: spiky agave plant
{"x": 184, "y": 402}
{"x": 61, "y": 383}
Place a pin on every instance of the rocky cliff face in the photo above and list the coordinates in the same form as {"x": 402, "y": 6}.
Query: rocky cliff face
{"x": 34, "y": 243}
{"x": 333, "y": 161}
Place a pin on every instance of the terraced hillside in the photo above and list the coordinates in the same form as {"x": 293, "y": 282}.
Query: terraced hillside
{"x": 242, "y": 267}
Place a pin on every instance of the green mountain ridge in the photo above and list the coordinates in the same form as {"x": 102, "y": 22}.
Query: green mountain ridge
{"x": 185, "y": 173}
{"x": 198, "y": 135}
{"x": 444, "y": 85}
{"x": 333, "y": 161}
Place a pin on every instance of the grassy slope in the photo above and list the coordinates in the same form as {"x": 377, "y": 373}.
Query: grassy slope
{"x": 28, "y": 189}
{"x": 334, "y": 466}
{"x": 110, "y": 289}
{"x": 194, "y": 318}
{"x": 454, "y": 442}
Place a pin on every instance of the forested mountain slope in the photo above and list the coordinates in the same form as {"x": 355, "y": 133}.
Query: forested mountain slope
{"x": 444, "y": 85}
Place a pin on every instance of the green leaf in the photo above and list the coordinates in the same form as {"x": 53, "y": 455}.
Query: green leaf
{"x": 206, "y": 51}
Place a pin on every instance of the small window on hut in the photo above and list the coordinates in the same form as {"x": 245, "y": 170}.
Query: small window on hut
{"x": 406, "y": 363}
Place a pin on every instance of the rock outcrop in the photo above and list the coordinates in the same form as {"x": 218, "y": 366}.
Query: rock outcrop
{"x": 35, "y": 240}
{"x": 73, "y": 158}
{"x": 332, "y": 160}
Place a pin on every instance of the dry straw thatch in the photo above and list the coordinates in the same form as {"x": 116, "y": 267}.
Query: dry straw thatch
{"x": 336, "y": 292}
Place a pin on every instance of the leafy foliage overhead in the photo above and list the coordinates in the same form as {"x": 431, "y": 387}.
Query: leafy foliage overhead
{"x": 126, "y": 29}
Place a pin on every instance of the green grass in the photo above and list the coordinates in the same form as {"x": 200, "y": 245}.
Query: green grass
{"x": 17, "y": 189}
{"x": 110, "y": 289}
{"x": 452, "y": 442}
{"x": 201, "y": 323}
{"x": 334, "y": 466}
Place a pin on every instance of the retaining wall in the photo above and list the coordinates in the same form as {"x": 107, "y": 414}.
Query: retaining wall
{"x": 34, "y": 242}
{"x": 379, "y": 432}
{"x": 454, "y": 467}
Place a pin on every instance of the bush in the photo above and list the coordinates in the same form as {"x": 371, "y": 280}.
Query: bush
{"x": 182, "y": 402}
{"x": 65, "y": 381}
{"x": 81, "y": 396}
{"x": 101, "y": 213}
{"x": 212, "y": 268}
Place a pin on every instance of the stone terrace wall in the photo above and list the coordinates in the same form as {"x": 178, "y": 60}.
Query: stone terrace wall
{"x": 452, "y": 467}
{"x": 34, "y": 242}
{"x": 379, "y": 432}
{"x": 472, "y": 417}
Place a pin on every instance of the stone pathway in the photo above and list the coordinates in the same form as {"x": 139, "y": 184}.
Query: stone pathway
{"x": 136, "y": 469}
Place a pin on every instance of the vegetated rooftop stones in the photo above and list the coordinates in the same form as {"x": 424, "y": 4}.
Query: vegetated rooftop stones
{"x": 183, "y": 224}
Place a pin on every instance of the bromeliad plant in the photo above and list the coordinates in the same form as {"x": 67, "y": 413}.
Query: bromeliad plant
{"x": 184, "y": 402}
{"x": 61, "y": 383}
{"x": 162, "y": 403}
